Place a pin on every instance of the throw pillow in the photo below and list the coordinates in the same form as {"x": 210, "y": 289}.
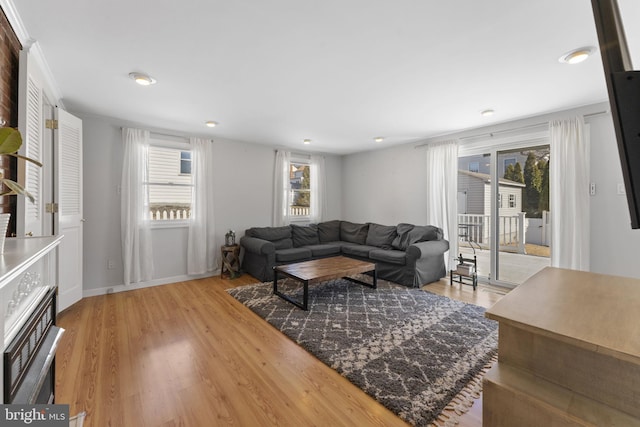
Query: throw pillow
{"x": 423, "y": 233}
{"x": 401, "y": 242}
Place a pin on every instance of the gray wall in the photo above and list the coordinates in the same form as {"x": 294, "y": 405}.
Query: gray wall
{"x": 388, "y": 186}
{"x": 384, "y": 186}
{"x": 614, "y": 246}
{"x": 243, "y": 199}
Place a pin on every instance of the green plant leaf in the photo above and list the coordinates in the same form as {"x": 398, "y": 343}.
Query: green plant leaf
{"x": 16, "y": 189}
{"x": 10, "y": 140}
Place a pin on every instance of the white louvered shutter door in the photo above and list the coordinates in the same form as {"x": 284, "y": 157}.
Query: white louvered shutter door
{"x": 68, "y": 152}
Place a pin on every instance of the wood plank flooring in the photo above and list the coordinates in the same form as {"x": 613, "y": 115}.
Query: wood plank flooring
{"x": 188, "y": 354}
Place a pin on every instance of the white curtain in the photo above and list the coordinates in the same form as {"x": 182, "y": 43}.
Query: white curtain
{"x": 281, "y": 184}
{"x": 135, "y": 228}
{"x": 442, "y": 192}
{"x": 318, "y": 184}
{"x": 569, "y": 194}
{"x": 201, "y": 253}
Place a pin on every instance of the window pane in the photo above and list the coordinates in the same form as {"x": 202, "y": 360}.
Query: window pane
{"x": 300, "y": 197}
{"x": 185, "y": 162}
{"x": 170, "y": 190}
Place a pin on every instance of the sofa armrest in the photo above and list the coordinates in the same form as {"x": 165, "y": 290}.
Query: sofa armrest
{"x": 427, "y": 249}
{"x": 257, "y": 246}
{"x": 430, "y": 264}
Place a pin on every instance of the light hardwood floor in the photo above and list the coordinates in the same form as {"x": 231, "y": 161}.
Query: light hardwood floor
{"x": 188, "y": 354}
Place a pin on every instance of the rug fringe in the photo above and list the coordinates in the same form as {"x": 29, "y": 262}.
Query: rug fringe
{"x": 464, "y": 400}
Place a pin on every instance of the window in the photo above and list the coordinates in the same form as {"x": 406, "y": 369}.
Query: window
{"x": 512, "y": 200}
{"x": 169, "y": 183}
{"x": 500, "y": 200}
{"x": 474, "y": 166}
{"x": 185, "y": 162}
{"x": 509, "y": 161}
{"x": 300, "y": 189}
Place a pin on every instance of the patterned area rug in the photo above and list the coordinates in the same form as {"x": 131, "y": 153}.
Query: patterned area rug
{"x": 411, "y": 350}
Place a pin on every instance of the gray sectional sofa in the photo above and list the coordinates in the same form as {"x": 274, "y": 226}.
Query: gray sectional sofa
{"x": 408, "y": 254}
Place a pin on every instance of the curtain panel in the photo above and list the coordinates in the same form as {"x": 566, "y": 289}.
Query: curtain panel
{"x": 281, "y": 188}
{"x": 442, "y": 192}
{"x": 569, "y": 194}
{"x": 318, "y": 194}
{"x": 135, "y": 229}
{"x": 201, "y": 252}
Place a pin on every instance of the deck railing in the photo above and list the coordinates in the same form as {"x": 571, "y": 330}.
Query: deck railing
{"x": 166, "y": 213}
{"x": 299, "y": 210}
{"x": 476, "y": 230}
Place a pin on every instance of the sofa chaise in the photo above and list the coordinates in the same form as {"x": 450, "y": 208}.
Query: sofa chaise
{"x": 407, "y": 254}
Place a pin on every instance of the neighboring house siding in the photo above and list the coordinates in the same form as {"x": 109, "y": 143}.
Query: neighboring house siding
{"x": 506, "y": 191}
{"x": 475, "y": 190}
{"x": 166, "y": 164}
{"x": 487, "y": 198}
{"x": 477, "y": 187}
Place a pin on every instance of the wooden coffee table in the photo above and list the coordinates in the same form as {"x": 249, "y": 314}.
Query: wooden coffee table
{"x": 321, "y": 270}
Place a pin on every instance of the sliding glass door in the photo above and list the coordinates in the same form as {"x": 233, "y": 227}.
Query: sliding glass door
{"x": 474, "y": 210}
{"x": 522, "y": 213}
{"x": 503, "y": 211}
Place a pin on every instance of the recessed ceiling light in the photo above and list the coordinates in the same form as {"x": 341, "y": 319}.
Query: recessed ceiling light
{"x": 378, "y": 139}
{"x": 142, "y": 79}
{"x": 211, "y": 123}
{"x": 487, "y": 113}
{"x": 306, "y": 141}
{"x": 577, "y": 55}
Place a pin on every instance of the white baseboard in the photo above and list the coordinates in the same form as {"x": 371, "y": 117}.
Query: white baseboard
{"x": 155, "y": 282}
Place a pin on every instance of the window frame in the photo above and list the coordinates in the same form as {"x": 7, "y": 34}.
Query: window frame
{"x": 180, "y": 145}
{"x": 290, "y": 197}
{"x": 184, "y": 162}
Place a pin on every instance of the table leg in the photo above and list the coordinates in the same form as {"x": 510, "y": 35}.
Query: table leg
{"x": 305, "y": 299}
{"x": 373, "y": 285}
{"x": 275, "y": 282}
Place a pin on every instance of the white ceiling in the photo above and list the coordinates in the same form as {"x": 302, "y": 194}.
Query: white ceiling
{"x": 339, "y": 72}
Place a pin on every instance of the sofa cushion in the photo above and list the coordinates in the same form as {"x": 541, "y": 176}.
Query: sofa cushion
{"x": 354, "y": 233}
{"x": 381, "y": 235}
{"x": 324, "y": 249}
{"x": 293, "y": 254}
{"x": 270, "y": 233}
{"x": 304, "y": 235}
{"x": 390, "y": 256}
{"x": 358, "y": 250}
{"x": 280, "y": 236}
{"x": 329, "y": 231}
{"x": 401, "y": 242}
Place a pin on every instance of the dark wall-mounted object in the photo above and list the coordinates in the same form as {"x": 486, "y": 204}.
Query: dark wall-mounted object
{"x": 623, "y": 85}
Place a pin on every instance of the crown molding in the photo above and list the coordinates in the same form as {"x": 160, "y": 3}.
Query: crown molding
{"x": 33, "y": 47}
{"x": 11, "y": 12}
